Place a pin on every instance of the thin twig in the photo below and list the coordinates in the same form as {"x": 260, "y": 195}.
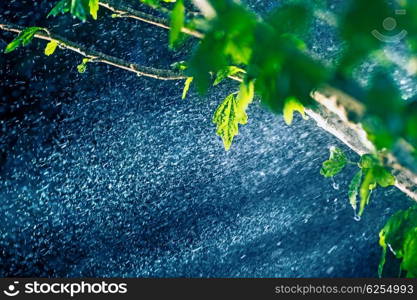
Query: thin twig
{"x": 100, "y": 57}
{"x": 127, "y": 12}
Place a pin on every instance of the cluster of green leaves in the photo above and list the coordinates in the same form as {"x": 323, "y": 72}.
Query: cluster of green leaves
{"x": 371, "y": 174}
{"x": 275, "y": 57}
{"x": 280, "y": 64}
{"x": 228, "y": 39}
{"x": 388, "y": 117}
{"x": 335, "y": 164}
{"x": 271, "y": 50}
{"x": 400, "y": 236}
{"x": 78, "y": 8}
{"x": 26, "y": 36}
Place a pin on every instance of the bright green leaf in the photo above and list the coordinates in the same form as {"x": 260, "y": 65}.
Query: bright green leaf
{"x": 227, "y": 121}
{"x": 245, "y": 96}
{"x": 177, "y": 22}
{"x": 374, "y": 174}
{"x": 409, "y": 262}
{"x": 368, "y": 184}
{"x": 94, "y": 6}
{"x": 51, "y": 47}
{"x": 80, "y": 9}
{"x": 23, "y": 39}
{"x": 292, "y": 105}
{"x": 186, "y": 87}
{"x": 336, "y": 162}
{"x": 232, "y": 112}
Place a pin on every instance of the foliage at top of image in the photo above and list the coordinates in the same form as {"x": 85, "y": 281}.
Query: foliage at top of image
{"x": 78, "y": 8}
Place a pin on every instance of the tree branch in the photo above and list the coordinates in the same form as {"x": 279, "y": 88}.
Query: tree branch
{"x": 331, "y": 114}
{"x": 127, "y": 12}
{"x": 99, "y": 57}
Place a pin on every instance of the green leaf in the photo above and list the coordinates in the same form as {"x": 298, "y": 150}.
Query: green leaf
{"x": 61, "y": 7}
{"x": 374, "y": 174}
{"x": 245, "y": 96}
{"x": 51, "y": 47}
{"x": 409, "y": 262}
{"x": 383, "y": 258}
{"x": 383, "y": 177}
{"x": 151, "y": 3}
{"x": 78, "y": 8}
{"x": 227, "y": 120}
{"x": 292, "y": 105}
{"x": 368, "y": 161}
{"x": 368, "y": 184}
{"x": 23, "y": 39}
{"x": 354, "y": 189}
{"x": 232, "y": 112}
{"x": 83, "y": 66}
{"x": 186, "y": 87}
{"x": 177, "y": 22}
{"x": 336, "y": 162}
{"x": 225, "y": 72}
{"x": 94, "y": 6}
{"x": 400, "y": 235}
